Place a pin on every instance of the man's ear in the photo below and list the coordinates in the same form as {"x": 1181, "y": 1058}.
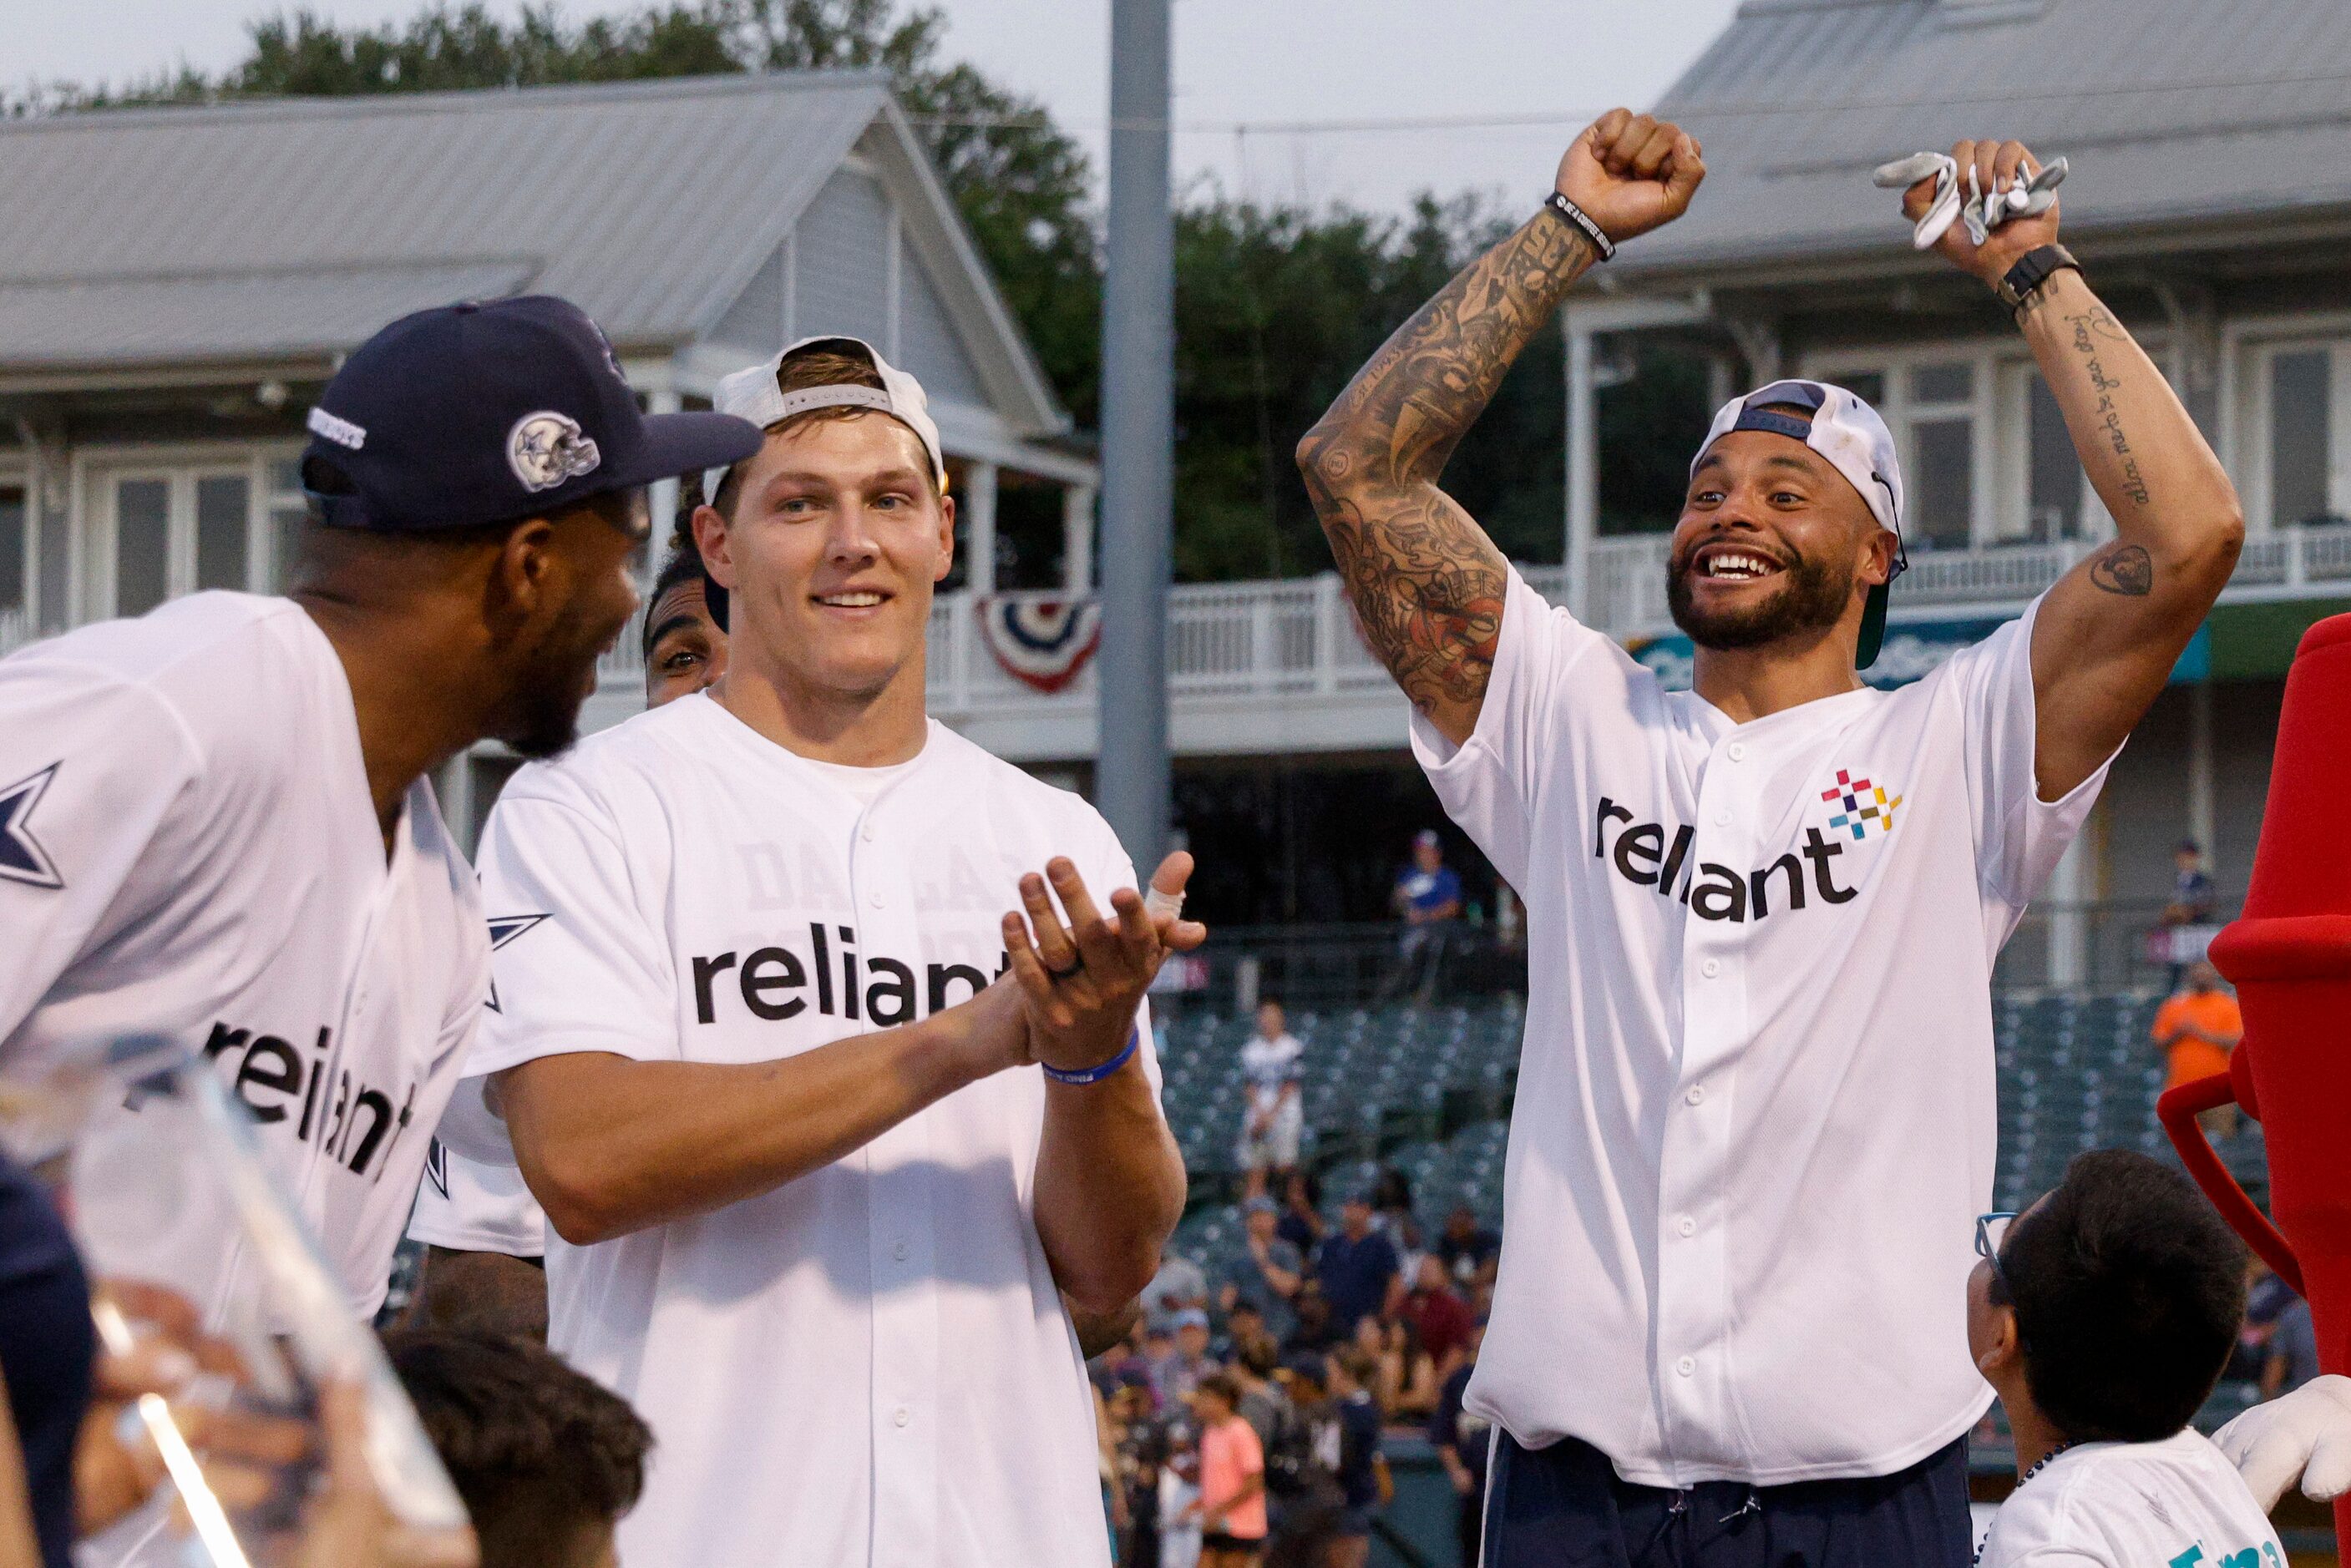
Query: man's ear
{"x": 523, "y": 573}
{"x": 1878, "y": 570}
{"x": 946, "y": 539}
{"x": 711, "y": 536}
{"x": 2003, "y": 1353}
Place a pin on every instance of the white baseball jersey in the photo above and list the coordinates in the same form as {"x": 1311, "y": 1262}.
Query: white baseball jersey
{"x": 871, "y": 1364}
{"x": 2122, "y": 1505}
{"x": 1269, "y": 1066}
{"x": 1755, "y": 1116}
{"x": 188, "y": 848}
{"x": 473, "y": 1206}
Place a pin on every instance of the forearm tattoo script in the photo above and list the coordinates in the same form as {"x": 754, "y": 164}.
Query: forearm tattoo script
{"x": 1426, "y": 582}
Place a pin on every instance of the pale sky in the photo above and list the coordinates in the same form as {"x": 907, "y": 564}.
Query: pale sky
{"x": 1244, "y": 69}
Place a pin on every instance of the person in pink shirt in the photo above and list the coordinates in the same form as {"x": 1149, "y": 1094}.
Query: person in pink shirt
{"x": 1232, "y": 1478}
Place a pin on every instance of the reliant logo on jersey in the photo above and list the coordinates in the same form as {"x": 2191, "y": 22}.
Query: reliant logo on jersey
{"x": 774, "y": 982}
{"x": 353, "y": 1122}
{"x": 1641, "y": 855}
{"x": 1863, "y": 805}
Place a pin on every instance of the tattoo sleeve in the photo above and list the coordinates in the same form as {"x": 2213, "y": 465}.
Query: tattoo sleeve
{"x": 1426, "y": 582}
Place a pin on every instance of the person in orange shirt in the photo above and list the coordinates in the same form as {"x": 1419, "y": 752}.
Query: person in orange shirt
{"x": 1232, "y": 1478}
{"x": 2198, "y": 1027}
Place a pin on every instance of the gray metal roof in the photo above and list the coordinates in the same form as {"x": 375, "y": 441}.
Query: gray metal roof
{"x": 2171, "y": 111}
{"x": 252, "y": 231}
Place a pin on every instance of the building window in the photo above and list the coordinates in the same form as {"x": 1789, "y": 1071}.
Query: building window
{"x": 2053, "y": 477}
{"x": 1941, "y": 413}
{"x": 1931, "y": 403}
{"x": 163, "y": 530}
{"x": 2300, "y": 419}
{"x": 142, "y": 544}
{"x": 15, "y": 567}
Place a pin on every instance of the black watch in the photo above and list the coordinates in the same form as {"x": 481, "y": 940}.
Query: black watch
{"x": 2032, "y": 269}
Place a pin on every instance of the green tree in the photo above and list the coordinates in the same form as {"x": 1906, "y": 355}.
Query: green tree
{"x": 1276, "y": 306}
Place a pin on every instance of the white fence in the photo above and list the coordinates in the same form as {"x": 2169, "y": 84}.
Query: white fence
{"x": 1295, "y": 638}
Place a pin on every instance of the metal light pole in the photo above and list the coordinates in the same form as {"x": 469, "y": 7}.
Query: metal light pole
{"x": 1138, "y": 427}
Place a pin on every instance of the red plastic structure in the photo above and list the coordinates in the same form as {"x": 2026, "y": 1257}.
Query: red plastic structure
{"x": 2290, "y": 960}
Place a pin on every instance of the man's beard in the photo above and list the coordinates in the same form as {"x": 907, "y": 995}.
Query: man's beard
{"x": 541, "y": 717}
{"x": 1811, "y": 596}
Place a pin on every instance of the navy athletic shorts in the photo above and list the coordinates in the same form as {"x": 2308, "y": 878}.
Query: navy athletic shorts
{"x": 1564, "y": 1506}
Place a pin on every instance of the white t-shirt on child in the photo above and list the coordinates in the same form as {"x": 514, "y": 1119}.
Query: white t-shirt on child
{"x": 2177, "y": 1503}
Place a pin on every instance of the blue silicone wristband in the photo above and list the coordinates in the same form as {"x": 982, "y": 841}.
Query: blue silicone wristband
{"x": 1084, "y": 1076}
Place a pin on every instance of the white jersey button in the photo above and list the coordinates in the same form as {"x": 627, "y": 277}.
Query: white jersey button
{"x": 1686, "y": 1225}
{"x": 1722, "y": 816}
{"x": 898, "y": 1251}
{"x": 1710, "y": 968}
{"x": 1736, "y": 751}
{"x": 866, "y": 833}
{"x": 1686, "y": 1365}
{"x": 1695, "y": 1095}
{"x": 874, "y": 898}
{"x": 902, "y": 1416}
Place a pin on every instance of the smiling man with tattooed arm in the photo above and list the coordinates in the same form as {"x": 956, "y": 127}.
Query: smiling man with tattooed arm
{"x": 1757, "y": 1083}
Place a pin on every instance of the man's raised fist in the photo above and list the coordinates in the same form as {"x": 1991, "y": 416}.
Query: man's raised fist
{"x": 1631, "y": 172}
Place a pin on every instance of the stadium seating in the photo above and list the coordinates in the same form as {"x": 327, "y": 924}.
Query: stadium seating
{"x": 1429, "y": 1091}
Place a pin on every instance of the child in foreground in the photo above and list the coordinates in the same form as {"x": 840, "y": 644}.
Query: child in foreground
{"x": 2103, "y": 1316}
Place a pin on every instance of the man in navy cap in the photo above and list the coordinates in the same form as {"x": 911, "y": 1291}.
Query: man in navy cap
{"x": 214, "y": 819}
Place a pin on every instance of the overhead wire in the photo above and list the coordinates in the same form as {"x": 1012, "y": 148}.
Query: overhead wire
{"x": 1696, "y": 110}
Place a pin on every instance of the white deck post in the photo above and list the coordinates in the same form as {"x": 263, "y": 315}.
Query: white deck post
{"x": 980, "y": 521}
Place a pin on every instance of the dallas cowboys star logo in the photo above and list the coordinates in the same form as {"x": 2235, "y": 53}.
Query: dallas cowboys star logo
{"x": 22, "y": 858}
{"x": 505, "y": 929}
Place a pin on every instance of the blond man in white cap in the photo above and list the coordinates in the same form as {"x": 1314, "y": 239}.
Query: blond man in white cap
{"x": 817, "y": 1171}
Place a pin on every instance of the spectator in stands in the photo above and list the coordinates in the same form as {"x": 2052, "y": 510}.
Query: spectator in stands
{"x": 1263, "y": 1404}
{"x": 1428, "y": 899}
{"x": 1315, "y": 1327}
{"x": 2195, "y": 1029}
{"x": 2194, "y": 899}
{"x": 1175, "y": 1374}
{"x": 1468, "y": 1248}
{"x": 1439, "y": 1315}
{"x": 1179, "y": 1286}
{"x": 1392, "y": 1203}
{"x": 1274, "y": 1265}
{"x": 1273, "y": 1119}
{"x": 1408, "y": 1381}
{"x": 1301, "y": 1213}
{"x": 1303, "y": 1464}
{"x": 1243, "y": 1323}
{"x": 548, "y": 1460}
{"x": 1180, "y": 1530}
{"x": 2266, "y": 1296}
{"x": 1363, "y": 1468}
{"x": 2294, "y": 1350}
{"x": 1231, "y": 1508}
{"x": 1356, "y": 1267}
{"x": 1462, "y": 1446}
{"x": 2103, "y": 1316}
{"x": 1139, "y": 1443}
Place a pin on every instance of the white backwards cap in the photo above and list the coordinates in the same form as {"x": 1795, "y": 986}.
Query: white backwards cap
{"x": 754, "y": 394}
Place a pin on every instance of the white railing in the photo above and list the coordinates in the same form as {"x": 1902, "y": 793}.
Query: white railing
{"x": 1297, "y": 637}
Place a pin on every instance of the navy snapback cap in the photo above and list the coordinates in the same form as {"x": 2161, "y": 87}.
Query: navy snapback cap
{"x": 492, "y": 412}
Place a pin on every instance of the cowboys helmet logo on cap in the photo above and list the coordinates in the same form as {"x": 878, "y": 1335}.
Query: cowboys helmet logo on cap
{"x": 547, "y": 448}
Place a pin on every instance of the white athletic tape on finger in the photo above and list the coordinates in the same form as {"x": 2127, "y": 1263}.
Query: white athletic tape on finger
{"x": 1156, "y": 903}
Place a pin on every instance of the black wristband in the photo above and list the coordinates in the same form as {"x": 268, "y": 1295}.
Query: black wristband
{"x": 2033, "y": 268}
{"x": 1582, "y": 220}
